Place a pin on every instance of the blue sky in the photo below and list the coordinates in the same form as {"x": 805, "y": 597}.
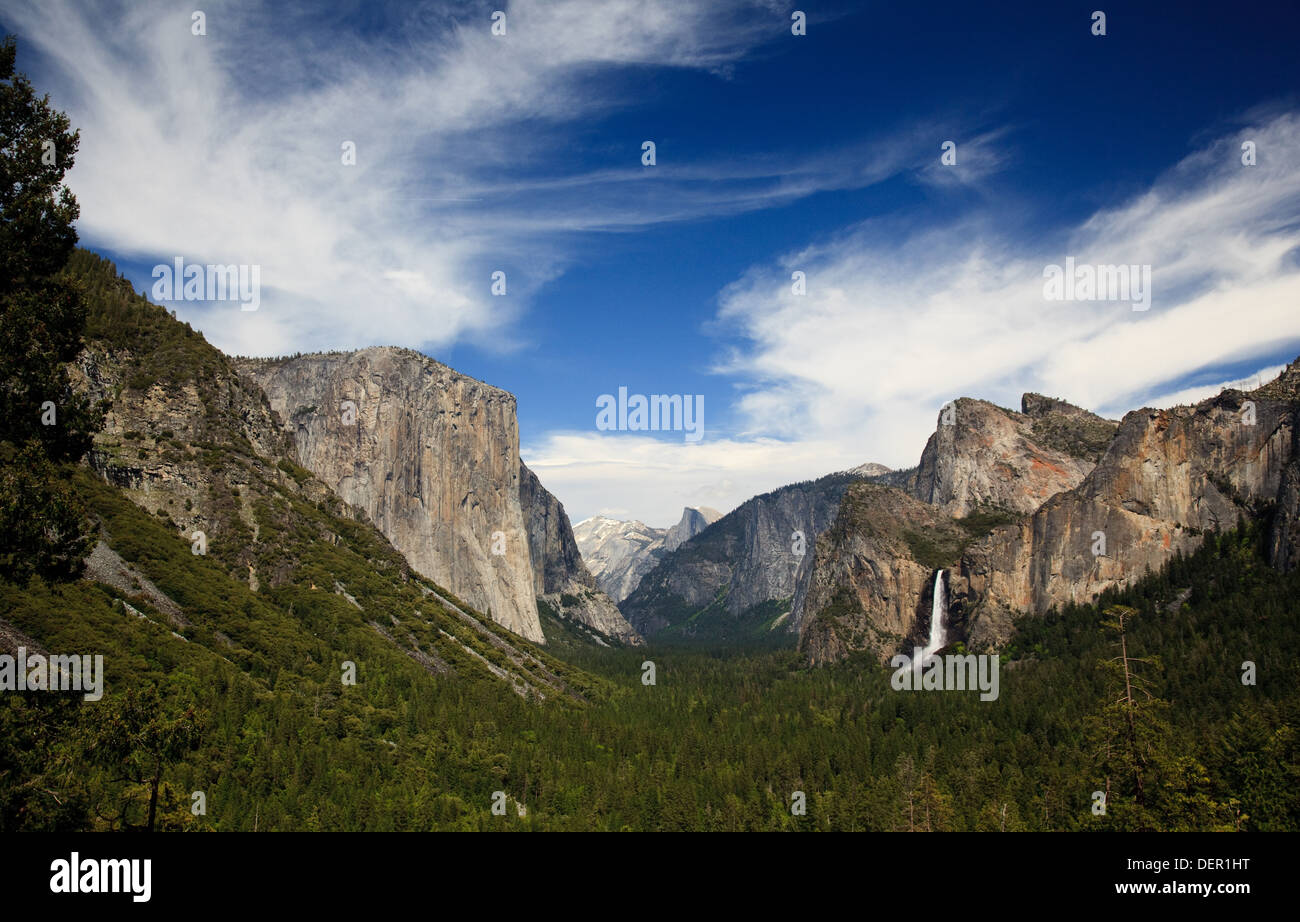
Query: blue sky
{"x": 818, "y": 153}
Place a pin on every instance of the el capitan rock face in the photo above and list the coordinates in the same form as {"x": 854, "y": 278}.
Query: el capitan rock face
{"x": 430, "y": 455}
{"x": 196, "y": 444}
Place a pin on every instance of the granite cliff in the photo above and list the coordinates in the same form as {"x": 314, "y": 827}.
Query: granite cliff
{"x": 620, "y": 552}
{"x": 214, "y": 541}
{"x": 430, "y": 455}
{"x": 1167, "y": 477}
{"x": 982, "y": 455}
{"x": 1048, "y": 506}
{"x": 869, "y": 583}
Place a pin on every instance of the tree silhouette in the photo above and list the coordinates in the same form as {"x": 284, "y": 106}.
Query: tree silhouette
{"x": 41, "y": 322}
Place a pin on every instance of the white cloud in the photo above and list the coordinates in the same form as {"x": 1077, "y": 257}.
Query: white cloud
{"x": 976, "y": 158}
{"x": 896, "y": 321}
{"x": 226, "y": 148}
{"x": 629, "y": 476}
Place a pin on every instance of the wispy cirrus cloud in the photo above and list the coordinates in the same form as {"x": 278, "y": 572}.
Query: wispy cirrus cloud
{"x": 893, "y": 323}
{"x": 226, "y": 148}
{"x": 905, "y": 313}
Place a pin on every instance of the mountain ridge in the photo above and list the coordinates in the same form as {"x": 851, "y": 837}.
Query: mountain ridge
{"x": 1164, "y": 479}
{"x": 191, "y": 447}
{"x": 620, "y": 552}
{"x": 740, "y": 573}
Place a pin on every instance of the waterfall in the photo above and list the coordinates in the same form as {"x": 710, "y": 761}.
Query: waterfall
{"x": 938, "y": 610}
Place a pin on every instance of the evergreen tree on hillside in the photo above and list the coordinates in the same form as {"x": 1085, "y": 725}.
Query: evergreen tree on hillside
{"x": 42, "y": 527}
{"x": 1152, "y": 783}
{"x": 140, "y": 738}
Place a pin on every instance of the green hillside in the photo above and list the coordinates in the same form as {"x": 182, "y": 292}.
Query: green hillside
{"x": 260, "y": 660}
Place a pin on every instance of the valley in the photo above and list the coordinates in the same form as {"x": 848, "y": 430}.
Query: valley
{"x": 307, "y": 523}
{"x": 771, "y": 669}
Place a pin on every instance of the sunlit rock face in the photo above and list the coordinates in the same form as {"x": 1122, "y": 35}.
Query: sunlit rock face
{"x": 430, "y": 455}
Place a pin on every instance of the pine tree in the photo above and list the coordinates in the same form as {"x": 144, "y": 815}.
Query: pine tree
{"x": 136, "y": 742}
{"x": 1151, "y": 782}
{"x": 42, "y": 527}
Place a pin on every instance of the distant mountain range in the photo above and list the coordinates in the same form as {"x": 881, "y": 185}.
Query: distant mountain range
{"x": 619, "y": 553}
{"x": 738, "y": 576}
{"x": 1025, "y": 509}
